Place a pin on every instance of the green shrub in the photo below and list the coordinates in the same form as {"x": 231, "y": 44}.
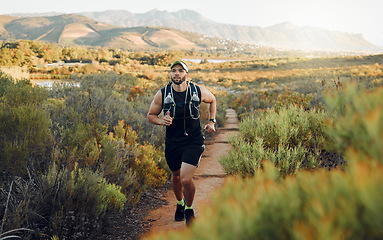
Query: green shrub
{"x": 89, "y": 192}
{"x": 291, "y": 138}
{"x": 220, "y": 113}
{"x": 146, "y": 165}
{"x": 25, "y": 137}
{"x": 76, "y": 201}
{"x": 287, "y": 126}
{"x": 357, "y": 120}
{"x": 84, "y": 190}
{"x": 301, "y": 100}
{"x": 252, "y": 101}
{"x": 102, "y": 100}
{"x": 93, "y": 171}
{"x": 133, "y": 166}
{"x": 222, "y": 105}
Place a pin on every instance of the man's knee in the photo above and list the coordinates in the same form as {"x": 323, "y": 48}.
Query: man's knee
{"x": 176, "y": 176}
{"x": 186, "y": 181}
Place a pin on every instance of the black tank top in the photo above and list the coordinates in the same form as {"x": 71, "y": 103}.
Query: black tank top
{"x": 183, "y": 127}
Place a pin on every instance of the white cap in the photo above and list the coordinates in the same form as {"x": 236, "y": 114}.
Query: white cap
{"x": 184, "y": 66}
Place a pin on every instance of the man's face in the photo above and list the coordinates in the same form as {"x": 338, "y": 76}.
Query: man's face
{"x": 178, "y": 74}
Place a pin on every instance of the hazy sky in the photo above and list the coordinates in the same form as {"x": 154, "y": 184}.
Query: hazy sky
{"x": 354, "y": 16}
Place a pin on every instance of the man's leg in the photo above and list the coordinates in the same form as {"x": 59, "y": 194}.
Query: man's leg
{"x": 187, "y": 172}
{"x": 176, "y": 184}
{"x": 188, "y": 187}
{"x": 177, "y": 189}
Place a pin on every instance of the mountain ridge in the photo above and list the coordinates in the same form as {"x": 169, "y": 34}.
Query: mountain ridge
{"x": 311, "y": 37}
{"x": 283, "y": 35}
{"x": 78, "y": 29}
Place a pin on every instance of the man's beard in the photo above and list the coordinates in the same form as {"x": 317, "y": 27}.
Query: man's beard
{"x": 178, "y": 82}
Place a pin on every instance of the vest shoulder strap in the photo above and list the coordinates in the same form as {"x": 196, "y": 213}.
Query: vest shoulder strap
{"x": 165, "y": 91}
{"x": 193, "y": 89}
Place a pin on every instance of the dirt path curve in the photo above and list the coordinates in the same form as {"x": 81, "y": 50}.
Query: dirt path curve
{"x": 208, "y": 177}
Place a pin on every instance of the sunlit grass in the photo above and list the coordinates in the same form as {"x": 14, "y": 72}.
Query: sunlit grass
{"x": 17, "y": 73}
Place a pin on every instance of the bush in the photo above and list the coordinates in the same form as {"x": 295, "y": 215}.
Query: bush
{"x": 294, "y": 98}
{"x": 25, "y": 137}
{"x": 251, "y": 101}
{"x": 358, "y": 121}
{"x": 79, "y": 200}
{"x": 220, "y": 113}
{"x": 134, "y": 167}
{"x": 291, "y": 138}
{"x": 71, "y": 158}
{"x": 146, "y": 165}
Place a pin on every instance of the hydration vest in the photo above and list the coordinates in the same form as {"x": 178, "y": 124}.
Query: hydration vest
{"x": 191, "y": 104}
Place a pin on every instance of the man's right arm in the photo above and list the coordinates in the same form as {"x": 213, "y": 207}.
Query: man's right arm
{"x": 155, "y": 110}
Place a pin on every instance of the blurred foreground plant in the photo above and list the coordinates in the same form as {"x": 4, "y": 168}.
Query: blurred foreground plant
{"x": 311, "y": 205}
{"x": 357, "y": 120}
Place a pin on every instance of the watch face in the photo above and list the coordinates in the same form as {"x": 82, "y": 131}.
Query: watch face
{"x": 213, "y": 120}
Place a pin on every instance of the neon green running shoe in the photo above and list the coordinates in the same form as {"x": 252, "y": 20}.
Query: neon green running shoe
{"x": 189, "y": 215}
{"x": 180, "y": 213}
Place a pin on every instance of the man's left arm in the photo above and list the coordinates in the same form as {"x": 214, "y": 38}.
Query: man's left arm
{"x": 209, "y": 98}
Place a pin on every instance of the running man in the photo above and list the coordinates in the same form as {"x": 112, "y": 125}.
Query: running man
{"x": 184, "y": 142}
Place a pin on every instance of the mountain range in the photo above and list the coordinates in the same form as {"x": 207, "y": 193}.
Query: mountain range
{"x": 169, "y": 30}
{"x": 284, "y": 35}
{"x": 77, "y": 29}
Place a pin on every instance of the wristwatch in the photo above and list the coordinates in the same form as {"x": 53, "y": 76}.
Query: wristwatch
{"x": 212, "y": 120}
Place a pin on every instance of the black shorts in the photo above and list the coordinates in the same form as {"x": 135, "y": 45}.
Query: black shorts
{"x": 177, "y": 152}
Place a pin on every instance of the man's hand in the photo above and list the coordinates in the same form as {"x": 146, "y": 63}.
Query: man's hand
{"x": 210, "y": 128}
{"x": 167, "y": 119}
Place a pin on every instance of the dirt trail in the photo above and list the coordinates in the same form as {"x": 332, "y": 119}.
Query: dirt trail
{"x": 208, "y": 177}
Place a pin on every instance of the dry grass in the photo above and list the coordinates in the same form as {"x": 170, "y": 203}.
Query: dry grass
{"x": 17, "y": 73}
